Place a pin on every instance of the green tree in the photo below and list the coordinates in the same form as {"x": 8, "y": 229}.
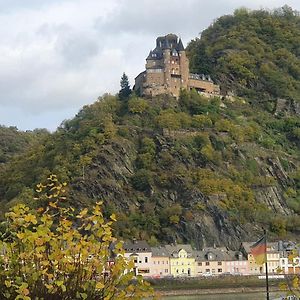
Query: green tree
{"x": 56, "y": 254}
{"x": 125, "y": 90}
{"x": 137, "y": 105}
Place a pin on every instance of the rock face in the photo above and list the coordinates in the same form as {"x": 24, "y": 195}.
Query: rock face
{"x": 287, "y": 107}
{"x": 109, "y": 178}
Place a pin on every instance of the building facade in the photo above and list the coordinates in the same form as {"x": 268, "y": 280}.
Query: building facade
{"x": 236, "y": 263}
{"x": 141, "y": 254}
{"x": 167, "y": 71}
{"x": 273, "y": 259}
{"x": 182, "y": 261}
{"x": 210, "y": 261}
{"x": 160, "y": 264}
{"x": 290, "y": 265}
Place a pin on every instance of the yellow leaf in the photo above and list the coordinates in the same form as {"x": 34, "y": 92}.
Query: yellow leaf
{"x": 30, "y": 218}
{"x": 88, "y": 227}
{"x": 20, "y": 235}
{"x": 53, "y": 204}
{"x": 99, "y": 285}
{"x": 113, "y": 217}
{"x": 82, "y": 213}
{"x": 39, "y": 241}
{"x": 25, "y": 292}
{"x": 7, "y": 283}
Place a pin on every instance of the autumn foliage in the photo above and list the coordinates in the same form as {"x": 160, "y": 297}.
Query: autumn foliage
{"x": 56, "y": 253}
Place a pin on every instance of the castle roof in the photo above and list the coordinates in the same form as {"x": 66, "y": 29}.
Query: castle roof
{"x": 155, "y": 54}
{"x": 169, "y": 41}
{"x": 180, "y": 46}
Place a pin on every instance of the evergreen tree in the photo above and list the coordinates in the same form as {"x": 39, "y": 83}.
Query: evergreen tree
{"x": 125, "y": 90}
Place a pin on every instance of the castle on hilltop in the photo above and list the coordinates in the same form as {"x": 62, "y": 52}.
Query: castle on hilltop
{"x": 167, "y": 71}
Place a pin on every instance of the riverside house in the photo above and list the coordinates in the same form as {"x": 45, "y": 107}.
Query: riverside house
{"x": 140, "y": 252}
{"x": 160, "y": 264}
{"x": 218, "y": 261}
{"x": 210, "y": 261}
{"x": 273, "y": 258}
{"x": 182, "y": 260}
{"x": 290, "y": 265}
{"x": 236, "y": 263}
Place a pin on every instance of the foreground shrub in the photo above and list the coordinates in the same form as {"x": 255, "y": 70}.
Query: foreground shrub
{"x": 54, "y": 253}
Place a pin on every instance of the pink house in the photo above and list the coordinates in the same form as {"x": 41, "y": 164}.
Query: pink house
{"x": 160, "y": 263}
{"x": 236, "y": 263}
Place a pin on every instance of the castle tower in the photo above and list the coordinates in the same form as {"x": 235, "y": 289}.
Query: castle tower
{"x": 167, "y": 71}
{"x": 184, "y": 66}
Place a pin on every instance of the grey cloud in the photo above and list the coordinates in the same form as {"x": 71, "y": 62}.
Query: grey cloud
{"x": 8, "y": 6}
{"x": 76, "y": 49}
{"x": 160, "y": 17}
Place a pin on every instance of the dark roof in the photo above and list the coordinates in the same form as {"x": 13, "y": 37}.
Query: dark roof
{"x": 160, "y": 252}
{"x": 174, "y": 249}
{"x": 142, "y": 73}
{"x": 180, "y": 46}
{"x": 155, "y": 54}
{"x": 169, "y": 41}
{"x": 137, "y": 246}
{"x": 218, "y": 254}
{"x": 271, "y": 246}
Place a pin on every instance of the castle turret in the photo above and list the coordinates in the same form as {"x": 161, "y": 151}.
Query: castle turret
{"x": 184, "y": 65}
{"x": 167, "y": 71}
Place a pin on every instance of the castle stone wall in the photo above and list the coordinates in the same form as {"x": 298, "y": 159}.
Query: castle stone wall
{"x": 167, "y": 71}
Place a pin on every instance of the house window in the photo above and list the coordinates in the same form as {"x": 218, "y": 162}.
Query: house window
{"x": 219, "y": 263}
{"x": 146, "y": 259}
{"x": 207, "y": 270}
{"x": 135, "y": 260}
{"x": 207, "y": 263}
{"x": 199, "y": 263}
{"x": 166, "y": 270}
{"x": 219, "y": 270}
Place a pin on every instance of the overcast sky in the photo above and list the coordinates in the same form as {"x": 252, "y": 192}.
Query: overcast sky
{"x": 58, "y": 55}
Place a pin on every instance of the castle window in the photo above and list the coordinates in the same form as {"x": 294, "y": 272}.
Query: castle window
{"x": 154, "y": 70}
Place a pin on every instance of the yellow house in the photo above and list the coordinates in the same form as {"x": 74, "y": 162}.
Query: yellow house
{"x": 182, "y": 261}
{"x": 273, "y": 259}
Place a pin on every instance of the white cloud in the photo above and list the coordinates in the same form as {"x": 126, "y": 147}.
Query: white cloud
{"x": 57, "y": 55}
